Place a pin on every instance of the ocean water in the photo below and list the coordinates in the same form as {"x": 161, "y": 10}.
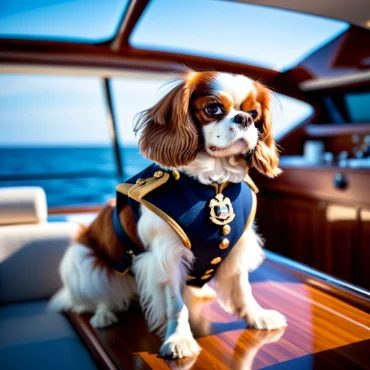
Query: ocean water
{"x": 69, "y": 175}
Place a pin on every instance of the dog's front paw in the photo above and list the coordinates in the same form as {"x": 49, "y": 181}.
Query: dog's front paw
{"x": 267, "y": 319}
{"x": 102, "y": 319}
{"x": 179, "y": 345}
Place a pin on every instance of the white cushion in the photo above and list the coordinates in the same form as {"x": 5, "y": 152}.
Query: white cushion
{"x": 22, "y": 205}
{"x": 30, "y": 257}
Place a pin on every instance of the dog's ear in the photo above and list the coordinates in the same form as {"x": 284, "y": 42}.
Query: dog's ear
{"x": 168, "y": 133}
{"x": 265, "y": 156}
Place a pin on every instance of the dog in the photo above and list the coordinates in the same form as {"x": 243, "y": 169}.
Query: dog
{"x": 185, "y": 220}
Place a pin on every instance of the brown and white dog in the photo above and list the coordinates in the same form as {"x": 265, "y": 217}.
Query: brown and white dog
{"x": 205, "y": 127}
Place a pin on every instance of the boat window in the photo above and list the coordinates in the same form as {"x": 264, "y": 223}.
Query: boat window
{"x": 53, "y": 133}
{"x": 132, "y": 95}
{"x": 228, "y": 30}
{"x": 358, "y": 107}
{"x": 78, "y": 20}
{"x": 287, "y": 113}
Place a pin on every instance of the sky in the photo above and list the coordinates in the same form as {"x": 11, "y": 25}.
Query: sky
{"x": 46, "y": 109}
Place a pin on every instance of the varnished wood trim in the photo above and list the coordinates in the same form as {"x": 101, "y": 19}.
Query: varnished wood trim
{"x": 343, "y": 53}
{"x": 324, "y": 168}
{"x": 100, "y": 58}
{"x": 330, "y": 82}
{"x": 347, "y": 292}
{"x": 76, "y": 209}
{"x": 63, "y": 54}
{"x": 103, "y": 72}
{"x": 331, "y": 311}
{"x": 317, "y": 323}
{"x": 93, "y": 344}
{"x": 129, "y": 20}
{"x": 315, "y": 182}
{"x": 337, "y": 130}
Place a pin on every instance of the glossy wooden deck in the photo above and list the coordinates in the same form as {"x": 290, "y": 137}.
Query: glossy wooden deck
{"x": 324, "y": 332}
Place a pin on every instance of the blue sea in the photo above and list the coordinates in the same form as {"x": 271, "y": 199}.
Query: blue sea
{"x": 69, "y": 175}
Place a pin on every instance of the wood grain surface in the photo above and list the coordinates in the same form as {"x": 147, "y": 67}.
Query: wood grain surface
{"x": 303, "y": 216}
{"x": 324, "y": 332}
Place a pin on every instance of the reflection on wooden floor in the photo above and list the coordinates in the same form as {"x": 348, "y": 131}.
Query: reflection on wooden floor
{"x": 323, "y": 332}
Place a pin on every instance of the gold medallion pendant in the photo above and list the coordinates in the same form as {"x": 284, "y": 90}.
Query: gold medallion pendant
{"x": 222, "y": 212}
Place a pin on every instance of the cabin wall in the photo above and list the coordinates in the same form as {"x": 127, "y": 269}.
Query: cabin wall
{"x": 304, "y": 216}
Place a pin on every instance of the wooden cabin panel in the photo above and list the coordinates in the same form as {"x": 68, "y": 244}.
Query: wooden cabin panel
{"x": 318, "y": 182}
{"x": 304, "y": 217}
{"x": 363, "y": 266}
{"x": 341, "y": 256}
{"x": 291, "y": 226}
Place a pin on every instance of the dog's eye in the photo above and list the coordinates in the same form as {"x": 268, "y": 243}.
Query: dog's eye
{"x": 213, "y": 110}
{"x": 254, "y": 114}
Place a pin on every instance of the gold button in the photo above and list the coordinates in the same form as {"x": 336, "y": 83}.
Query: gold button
{"x": 226, "y": 230}
{"x": 216, "y": 260}
{"x": 224, "y": 244}
{"x": 176, "y": 174}
{"x": 140, "y": 181}
{"x": 158, "y": 174}
{"x": 131, "y": 254}
{"x": 191, "y": 277}
{"x": 209, "y": 271}
{"x": 205, "y": 277}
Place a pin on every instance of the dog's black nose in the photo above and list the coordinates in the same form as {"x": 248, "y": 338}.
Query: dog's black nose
{"x": 243, "y": 120}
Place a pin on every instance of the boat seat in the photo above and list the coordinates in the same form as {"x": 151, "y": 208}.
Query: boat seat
{"x": 30, "y": 252}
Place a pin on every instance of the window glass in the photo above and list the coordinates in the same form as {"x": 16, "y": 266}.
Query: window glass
{"x": 78, "y": 20}
{"x": 287, "y": 113}
{"x": 53, "y": 133}
{"x": 358, "y": 105}
{"x": 131, "y": 96}
{"x": 258, "y": 35}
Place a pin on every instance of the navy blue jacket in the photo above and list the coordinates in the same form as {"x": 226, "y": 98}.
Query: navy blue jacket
{"x": 187, "y": 202}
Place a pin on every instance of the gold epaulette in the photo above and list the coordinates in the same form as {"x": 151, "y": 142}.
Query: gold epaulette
{"x": 143, "y": 186}
{"x": 247, "y": 179}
